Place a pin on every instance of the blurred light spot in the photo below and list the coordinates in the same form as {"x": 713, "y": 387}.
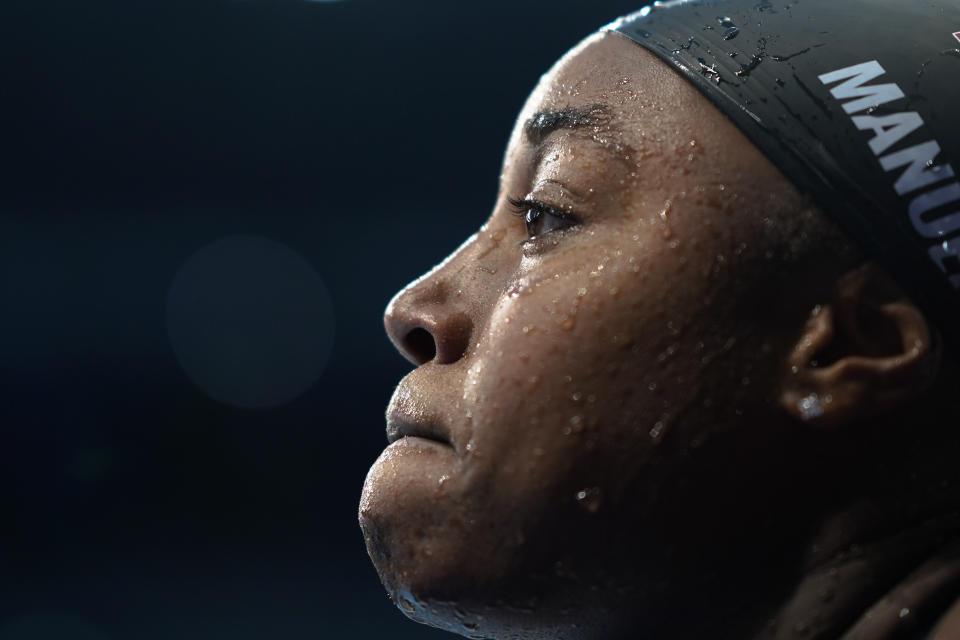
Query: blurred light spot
{"x": 250, "y": 322}
{"x": 42, "y": 625}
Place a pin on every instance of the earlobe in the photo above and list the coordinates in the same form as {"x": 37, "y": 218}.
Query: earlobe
{"x": 883, "y": 352}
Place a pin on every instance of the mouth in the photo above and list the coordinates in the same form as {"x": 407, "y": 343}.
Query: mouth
{"x": 400, "y": 426}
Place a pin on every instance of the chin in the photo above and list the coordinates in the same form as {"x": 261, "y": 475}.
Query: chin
{"x": 432, "y": 557}
{"x": 462, "y": 600}
{"x": 446, "y": 566}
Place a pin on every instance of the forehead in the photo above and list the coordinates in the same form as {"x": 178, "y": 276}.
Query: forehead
{"x": 610, "y": 70}
{"x": 650, "y": 111}
{"x": 642, "y": 100}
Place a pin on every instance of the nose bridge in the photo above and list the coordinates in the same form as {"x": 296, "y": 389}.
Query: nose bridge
{"x": 435, "y": 317}
{"x": 437, "y": 286}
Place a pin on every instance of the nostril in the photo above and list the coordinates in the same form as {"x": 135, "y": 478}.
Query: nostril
{"x": 421, "y": 345}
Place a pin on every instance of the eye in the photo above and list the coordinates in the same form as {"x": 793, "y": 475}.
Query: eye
{"x": 540, "y": 218}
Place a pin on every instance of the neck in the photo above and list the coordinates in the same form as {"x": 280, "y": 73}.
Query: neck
{"x": 889, "y": 566}
{"x": 861, "y": 585}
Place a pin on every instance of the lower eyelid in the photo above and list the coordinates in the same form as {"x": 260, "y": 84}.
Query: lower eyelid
{"x": 547, "y": 241}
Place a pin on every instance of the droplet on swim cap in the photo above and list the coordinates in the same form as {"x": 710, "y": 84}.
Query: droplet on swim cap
{"x": 855, "y": 101}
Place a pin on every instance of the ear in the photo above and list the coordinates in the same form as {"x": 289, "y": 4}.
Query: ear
{"x": 865, "y": 352}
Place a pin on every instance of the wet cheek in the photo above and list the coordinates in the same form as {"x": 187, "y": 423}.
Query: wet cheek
{"x": 636, "y": 307}
{"x": 550, "y": 343}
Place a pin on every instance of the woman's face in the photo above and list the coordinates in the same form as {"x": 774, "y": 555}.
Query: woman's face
{"x": 578, "y": 356}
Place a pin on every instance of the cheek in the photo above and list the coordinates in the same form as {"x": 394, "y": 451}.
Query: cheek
{"x": 602, "y": 353}
{"x": 558, "y": 374}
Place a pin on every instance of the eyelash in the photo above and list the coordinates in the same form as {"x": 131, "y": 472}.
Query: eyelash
{"x": 533, "y": 211}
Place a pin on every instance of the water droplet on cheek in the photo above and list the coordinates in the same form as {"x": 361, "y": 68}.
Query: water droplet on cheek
{"x": 667, "y": 230}
{"x": 576, "y": 424}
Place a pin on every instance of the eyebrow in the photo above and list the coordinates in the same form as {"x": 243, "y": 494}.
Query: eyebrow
{"x": 543, "y": 123}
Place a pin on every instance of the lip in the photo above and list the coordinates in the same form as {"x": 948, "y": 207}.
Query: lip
{"x": 403, "y": 426}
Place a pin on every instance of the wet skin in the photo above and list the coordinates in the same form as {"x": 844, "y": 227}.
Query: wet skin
{"x": 594, "y": 441}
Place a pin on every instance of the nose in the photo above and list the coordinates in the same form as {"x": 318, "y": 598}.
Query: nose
{"x": 425, "y": 324}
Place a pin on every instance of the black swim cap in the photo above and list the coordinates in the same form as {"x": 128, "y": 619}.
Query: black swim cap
{"x": 856, "y": 101}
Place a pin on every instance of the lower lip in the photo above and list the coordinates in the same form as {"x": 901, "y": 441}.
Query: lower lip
{"x": 418, "y": 443}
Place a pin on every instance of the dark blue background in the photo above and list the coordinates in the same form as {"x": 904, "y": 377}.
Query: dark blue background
{"x": 366, "y": 135}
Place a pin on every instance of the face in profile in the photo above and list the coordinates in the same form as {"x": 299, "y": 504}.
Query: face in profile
{"x": 592, "y": 413}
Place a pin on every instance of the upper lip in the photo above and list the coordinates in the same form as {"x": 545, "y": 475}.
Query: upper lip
{"x": 401, "y": 426}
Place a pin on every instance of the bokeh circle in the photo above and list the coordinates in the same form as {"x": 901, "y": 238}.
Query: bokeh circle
{"x": 250, "y": 322}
